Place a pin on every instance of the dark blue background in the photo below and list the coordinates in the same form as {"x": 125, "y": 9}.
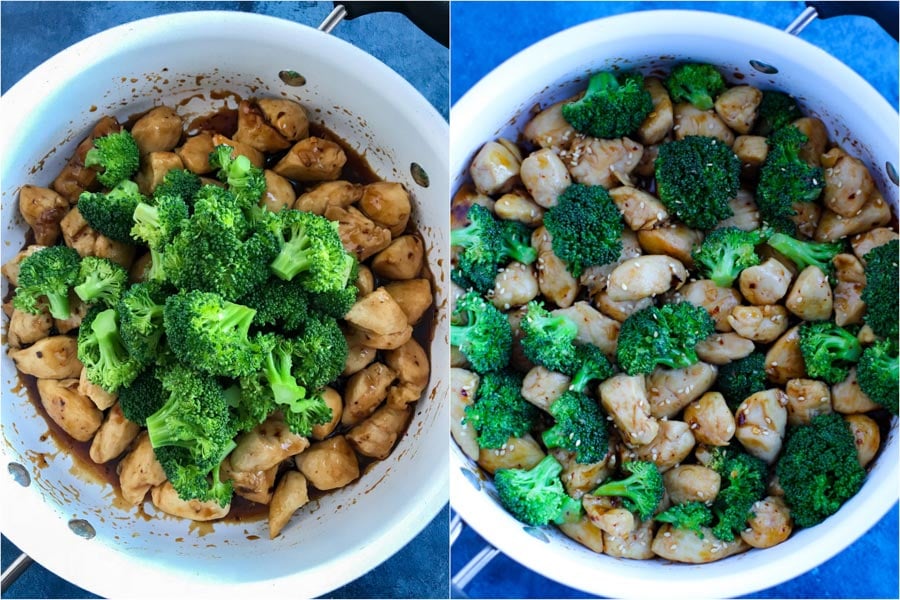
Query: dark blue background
{"x": 484, "y": 34}
{"x": 31, "y": 32}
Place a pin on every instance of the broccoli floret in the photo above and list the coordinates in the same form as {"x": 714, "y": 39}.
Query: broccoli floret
{"x": 549, "y": 339}
{"x": 828, "y": 350}
{"x": 156, "y": 225}
{"x": 880, "y": 293}
{"x": 580, "y": 427}
{"x": 640, "y": 492}
{"x": 211, "y": 334}
{"x": 740, "y": 379}
{"x": 499, "y": 411}
{"x": 818, "y": 469}
{"x": 49, "y": 272}
{"x": 489, "y": 243}
{"x": 536, "y": 496}
{"x": 302, "y": 410}
{"x": 246, "y": 181}
{"x": 776, "y": 110}
{"x": 101, "y": 351}
{"x": 142, "y": 397}
{"x": 615, "y": 104}
{"x": 696, "y": 179}
{"x": 693, "y": 516}
{"x": 193, "y": 482}
{"x": 785, "y": 178}
{"x": 697, "y": 83}
{"x": 141, "y": 319}
{"x": 334, "y": 303}
{"x": 251, "y": 401}
{"x": 592, "y": 365}
{"x": 320, "y": 352}
{"x": 585, "y": 227}
{"x": 117, "y": 156}
{"x": 486, "y": 338}
{"x": 100, "y": 279}
{"x": 311, "y": 249}
{"x": 111, "y": 214}
{"x": 662, "y": 336}
{"x": 178, "y": 182}
{"x": 806, "y": 253}
{"x": 878, "y": 373}
{"x": 278, "y": 302}
{"x": 726, "y": 252}
{"x": 743, "y": 483}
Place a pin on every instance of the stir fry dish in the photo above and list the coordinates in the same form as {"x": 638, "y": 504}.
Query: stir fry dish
{"x": 674, "y": 321}
{"x": 226, "y": 313}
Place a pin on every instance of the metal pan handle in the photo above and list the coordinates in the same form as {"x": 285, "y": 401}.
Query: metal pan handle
{"x": 883, "y": 13}
{"x": 431, "y": 17}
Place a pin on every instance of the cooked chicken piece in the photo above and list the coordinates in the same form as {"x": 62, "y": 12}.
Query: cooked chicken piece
{"x": 254, "y": 130}
{"x": 784, "y": 360}
{"x": 495, "y": 167}
{"x": 334, "y": 401}
{"x": 866, "y": 437}
{"x": 761, "y": 324}
{"x": 746, "y": 214}
{"x": 542, "y": 387}
{"x": 377, "y": 313}
{"x": 659, "y": 122}
{"x": 635, "y": 545}
{"x": 595, "y": 278}
{"x": 673, "y": 239}
{"x": 463, "y": 385}
{"x": 718, "y": 301}
{"x": 619, "y": 310}
{"x": 43, "y": 209}
{"x": 410, "y": 363}
{"x": 848, "y": 399}
{"x": 518, "y": 206}
{"x": 256, "y": 486}
{"x": 77, "y": 311}
{"x": 139, "y": 471}
{"x": 463, "y": 200}
{"x": 691, "y": 483}
{"x": 761, "y": 421}
{"x": 848, "y": 185}
{"x": 359, "y": 355}
{"x": 810, "y": 297}
{"x": 647, "y": 275}
{"x": 624, "y": 398}
{"x": 516, "y": 453}
{"x": 387, "y": 204}
{"x": 329, "y": 464}
{"x": 290, "y": 495}
{"x": 766, "y": 283}
{"x": 723, "y": 348}
{"x": 710, "y": 420}
{"x": 402, "y": 259}
{"x": 166, "y": 499}
{"x": 593, "y": 326}
{"x": 639, "y": 209}
{"x": 376, "y": 436}
{"x": 578, "y": 478}
{"x": 751, "y": 150}
{"x": 286, "y": 116}
{"x": 279, "y": 192}
{"x": 545, "y": 177}
{"x": 386, "y": 341}
{"x": 670, "y": 390}
{"x": 69, "y": 409}
{"x": 240, "y": 149}
{"x": 359, "y": 234}
{"x": 688, "y": 546}
{"x": 365, "y": 281}
{"x": 10, "y": 268}
{"x": 670, "y": 447}
{"x": 365, "y": 391}
{"x": 849, "y": 307}
{"x": 554, "y": 280}
{"x": 769, "y": 523}
{"x": 329, "y": 193}
{"x": 690, "y": 120}
{"x": 594, "y": 161}
{"x": 88, "y": 242}
{"x": 75, "y": 177}
{"x": 194, "y": 153}
{"x": 414, "y": 297}
{"x": 875, "y": 212}
{"x": 817, "y": 139}
{"x": 154, "y": 167}
{"x": 806, "y": 399}
{"x": 585, "y": 533}
{"x": 114, "y": 436}
{"x": 54, "y": 357}
{"x": 26, "y": 328}
{"x": 863, "y": 243}
{"x": 157, "y": 131}
{"x": 266, "y": 445}
{"x": 737, "y": 107}
{"x": 549, "y": 129}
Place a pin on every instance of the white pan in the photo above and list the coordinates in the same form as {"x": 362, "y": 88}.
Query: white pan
{"x": 346, "y": 533}
{"x": 556, "y": 68}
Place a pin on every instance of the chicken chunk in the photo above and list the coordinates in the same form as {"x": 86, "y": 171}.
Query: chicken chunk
{"x": 365, "y": 391}
{"x": 290, "y": 495}
{"x": 376, "y": 436}
{"x": 43, "y": 209}
{"x": 266, "y": 445}
{"x": 139, "y": 471}
{"x": 54, "y": 357}
{"x": 358, "y": 233}
{"x": 69, "y": 409}
{"x": 312, "y": 159}
{"x": 594, "y": 161}
{"x": 329, "y": 464}
{"x": 158, "y": 131}
{"x": 114, "y": 436}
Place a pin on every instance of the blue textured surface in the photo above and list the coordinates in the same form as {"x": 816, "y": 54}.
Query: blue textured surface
{"x": 31, "y": 32}
{"x": 485, "y": 34}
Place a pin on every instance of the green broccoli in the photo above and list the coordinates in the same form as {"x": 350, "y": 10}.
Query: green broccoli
{"x": 334, "y": 303}
{"x": 549, "y": 339}
{"x": 310, "y": 247}
{"x": 828, "y": 350}
{"x": 101, "y": 351}
{"x": 111, "y": 214}
{"x": 156, "y": 225}
{"x": 536, "y": 496}
{"x": 585, "y": 227}
{"x": 726, "y": 252}
{"x": 499, "y": 411}
{"x": 489, "y": 243}
{"x": 662, "y": 336}
{"x": 302, "y": 410}
{"x": 193, "y": 482}
{"x": 49, "y": 272}
{"x": 693, "y": 516}
{"x": 486, "y": 338}
{"x": 246, "y": 181}
{"x": 880, "y": 293}
{"x": 141, "y": 319}
{"x": 785, "y": 178}
{"x": 251, "y": 401}
{"x": 697, "y": 83}
{"x": 807, "y": 253}
{"x": 178, "y": 182}
{"x": 615, "y": 104}
{"x": 776, "y": 110}
{"x": 878, "y": 373}
{"x": 743, "y": 483}
{"x": 580, "y": 427}
{"x": 740, "y": 379}
{"x": 284, "y": 304}
{"x": 592, "y": 365}
{"x": 640, "y": 492}
{"x": 320, "y": 352}
{"x": 696, "y": 178}
{"x": 142, "y": 397}
{"x": 818, "y": 469}
{"x": 100, "y": 279}
{"x": 117, "y": 156}
{"x": 211, "y": 334}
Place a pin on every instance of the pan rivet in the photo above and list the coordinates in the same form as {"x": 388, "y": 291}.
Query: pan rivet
{"x": 763, "y": 67}
{"x": 292, "y": 77}
{"x": 419, "y": 175}
{"x": 472, "y": 477}
{"x": 536, "y": 532}
{"x": 892, "y": 172}
{"x": 20, "y": 474}
{"x": 82, "y": 528}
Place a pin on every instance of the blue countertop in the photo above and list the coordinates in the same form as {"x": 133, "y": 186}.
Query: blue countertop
{"x": 31, "y": 32}
{"x": 484, "y": 34}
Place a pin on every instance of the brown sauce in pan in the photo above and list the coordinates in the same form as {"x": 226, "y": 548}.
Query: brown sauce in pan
{"x": 356, "y": 170}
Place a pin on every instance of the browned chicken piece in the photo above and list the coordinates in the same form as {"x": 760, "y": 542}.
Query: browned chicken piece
{"x": 240, "y": 149}
{"x": 816, "y": 139}
{"x": 334, "y": 401}
{"x": 329, "y": 464}
{"x": 290, "y": 495}
{"x": 79, "y": 236}
{"x": 75, "y": 177}
{"x": 690, "y": 120}
{"x": 659, "y": 122}
{"x": 266, "y": 445}
{"x": 10, "y": 268}
{"x": 377, "y": 313}
{"x": 875, "y": 212}
{"x": 413, "y": 295}
{"x": 609, "y": 163}
{"x": 157, "y": 131}
{"x": 516, "y": 453}
{"x": 312, "y": 159}
{"x": 359, "y": 355}
{"x": 54, "y": 357}
{"x": 463, "y": 200}
{"x": 254, "y": 130}
{"x": 77, "y": 311}
{"x": 761, "y": 421}
{"x": 411, "y": 365}
{"x": 365, "y": 281}
{"x": 549, "y": 129}
{"x": 166, "y": 499}
{"x": 286, "y": 116}
{"x": 495, "y": 167}
{"x": 387, "y": 204}
{"x": 784, "y": 361}
{"x": 140, "y": 268}
{"x": 402, "y": 259}
{"x": 26, "y": 328}
{"x": 139, "y": 471}
{"x": 751, "y": 150}
{"x": 675, "y": 239}
{"x": 195, "y": 153}
{"x": 554, "y": 279}
{"x": 329, "y": 193}
{"x": 848, "y": 183}
{"x": 279, "y": 192}
{"x": 43, "y": 209}
{"x": 114, "y": 436}
{"x": 386, "y": 341}
{"x": 69, "y": 409}
{"x": 154, "y": 167}
{"x": 738, "y": 106}
{"x": 365, "y": 391}
{"x": 118, "y": 252}
{"x": 864, "y": 243}
{"x": 256, "y": 486}
{"x": 375, "y": 437}
{"x": 359, "y": 234}
{"x": 100, "y": 397}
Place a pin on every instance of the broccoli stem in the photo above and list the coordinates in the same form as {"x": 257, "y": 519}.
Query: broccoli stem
{"x": 285, "y": 388}
{"x": 59, "y": 305}
{"x": 293, "y": 257}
